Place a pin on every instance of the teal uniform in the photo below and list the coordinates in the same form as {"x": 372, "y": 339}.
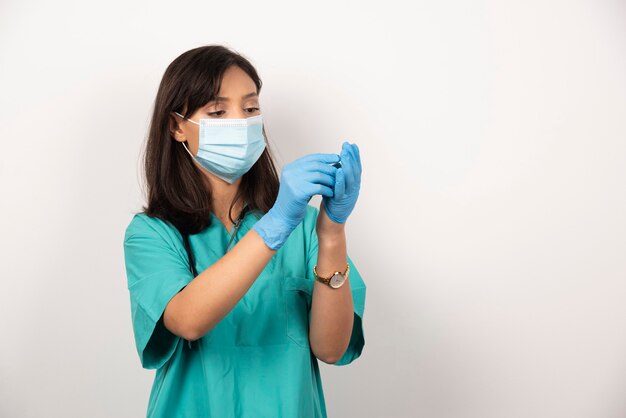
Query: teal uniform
{"x": 257, "y": 361}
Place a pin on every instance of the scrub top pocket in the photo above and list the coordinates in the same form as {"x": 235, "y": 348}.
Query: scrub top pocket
{"x": 298, "y": 294}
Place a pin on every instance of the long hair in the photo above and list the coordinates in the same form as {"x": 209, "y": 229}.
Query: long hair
{"x": 177, "y": 190}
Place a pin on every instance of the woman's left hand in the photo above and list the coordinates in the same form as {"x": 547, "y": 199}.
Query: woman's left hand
{"x": 347, "y": 185}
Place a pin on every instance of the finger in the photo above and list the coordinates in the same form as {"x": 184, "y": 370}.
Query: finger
{"x": 305, "y": 169}
{"x": 342, "y": 152}
{"x": 354, "y": 151}
{"x": 313, "y": 170}
{"x": 313, "y": 189}
{"x": 348, "y": 167}
{"x": 320, "y": 157}
{"x": 320, "y": 167}
{"x": 357, "y": 156}
{"x": 317, "y": 177}
{"x": 340, "y": 184}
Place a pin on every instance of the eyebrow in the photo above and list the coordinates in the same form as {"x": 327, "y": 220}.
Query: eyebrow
{"x": 226, "y": 99}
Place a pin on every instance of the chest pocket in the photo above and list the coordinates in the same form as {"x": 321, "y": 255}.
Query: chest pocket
{"x": 297, "y": 297}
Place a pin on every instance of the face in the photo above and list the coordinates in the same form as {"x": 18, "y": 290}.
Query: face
{"x": 237, "y": 98}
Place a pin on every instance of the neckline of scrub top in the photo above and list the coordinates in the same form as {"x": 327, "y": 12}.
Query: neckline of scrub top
{"x": 244, "y": 222}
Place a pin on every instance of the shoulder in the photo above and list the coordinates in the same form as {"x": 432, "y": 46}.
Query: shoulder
{"x": 142, "y": 225}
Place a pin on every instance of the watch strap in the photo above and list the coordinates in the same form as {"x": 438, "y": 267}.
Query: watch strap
{"x": 326, "y": 280}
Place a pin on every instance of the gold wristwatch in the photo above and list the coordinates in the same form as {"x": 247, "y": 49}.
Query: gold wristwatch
{"x": 336, "y": 280}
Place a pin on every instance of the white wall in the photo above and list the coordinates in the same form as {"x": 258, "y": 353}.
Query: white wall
{"x": 490, "y": 230}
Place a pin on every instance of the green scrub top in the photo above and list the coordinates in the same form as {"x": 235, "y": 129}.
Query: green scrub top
{"x": 257, "y": 361}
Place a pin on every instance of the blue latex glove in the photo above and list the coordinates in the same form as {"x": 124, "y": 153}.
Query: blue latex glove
{"x": 347, "y": 185}
{"x": 299, "y": 182}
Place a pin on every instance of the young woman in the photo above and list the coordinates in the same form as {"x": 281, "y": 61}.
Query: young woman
{"x": 238, "y": 286}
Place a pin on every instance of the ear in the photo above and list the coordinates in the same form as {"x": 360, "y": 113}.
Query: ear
{"x": 176, "y": 130}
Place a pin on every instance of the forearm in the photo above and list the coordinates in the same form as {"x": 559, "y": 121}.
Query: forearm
{"x": 209, "y": 297}
{"x": 332, "y": 310}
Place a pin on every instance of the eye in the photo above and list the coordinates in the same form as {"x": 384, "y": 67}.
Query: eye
{"x": 221, "y": 112}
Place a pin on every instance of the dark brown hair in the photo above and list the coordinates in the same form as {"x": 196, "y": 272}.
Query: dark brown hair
{"x": 177, "y": 190}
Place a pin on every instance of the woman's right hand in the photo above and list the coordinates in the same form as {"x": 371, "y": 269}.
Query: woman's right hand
{"x": 299, "y": 182}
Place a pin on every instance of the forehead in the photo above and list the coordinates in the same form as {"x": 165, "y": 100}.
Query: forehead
{"x": 225, "y": 99}
{"x": 236, "y": 84}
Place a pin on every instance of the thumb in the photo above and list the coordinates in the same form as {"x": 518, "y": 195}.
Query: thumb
{"x": 340, "y": 184}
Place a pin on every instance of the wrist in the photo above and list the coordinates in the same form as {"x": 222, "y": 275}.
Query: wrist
{"x": 272, "y": 228}
{"x": 330, "y": 236}
{"x": 326, "y": 227}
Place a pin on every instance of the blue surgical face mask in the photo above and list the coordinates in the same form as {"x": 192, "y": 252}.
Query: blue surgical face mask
{"x": 228, "y": 148}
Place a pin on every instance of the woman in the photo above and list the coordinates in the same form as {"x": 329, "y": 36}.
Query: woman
{"x": 228, "y": 268}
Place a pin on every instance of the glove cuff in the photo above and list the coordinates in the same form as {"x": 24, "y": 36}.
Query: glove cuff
{"x": 334, "y": 219}
{"x": 273, "y": 231}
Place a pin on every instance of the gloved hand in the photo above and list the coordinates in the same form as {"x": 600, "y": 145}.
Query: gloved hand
{"x": 299, "y": 182}
{"x": 347, "y": 185}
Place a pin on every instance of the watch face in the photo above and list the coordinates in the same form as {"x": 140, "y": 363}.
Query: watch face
{"x": 337, "y": 280}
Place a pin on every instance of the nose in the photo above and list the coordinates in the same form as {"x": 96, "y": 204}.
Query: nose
{"x": 241, "y": 115}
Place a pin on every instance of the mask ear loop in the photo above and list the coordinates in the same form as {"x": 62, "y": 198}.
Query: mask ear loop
{"x": 192, "y": 121}
{"x": 187, "y": 149}
{"x": 201, "y": 167}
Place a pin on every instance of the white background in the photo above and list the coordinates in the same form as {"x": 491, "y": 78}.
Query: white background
{"x": 490, "y": 229}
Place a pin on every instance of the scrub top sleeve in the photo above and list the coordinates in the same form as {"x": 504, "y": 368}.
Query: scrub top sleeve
{"x": 358, "y": 289}
{"x": 156, "y": 272}
{"x": 357, "y": 340}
